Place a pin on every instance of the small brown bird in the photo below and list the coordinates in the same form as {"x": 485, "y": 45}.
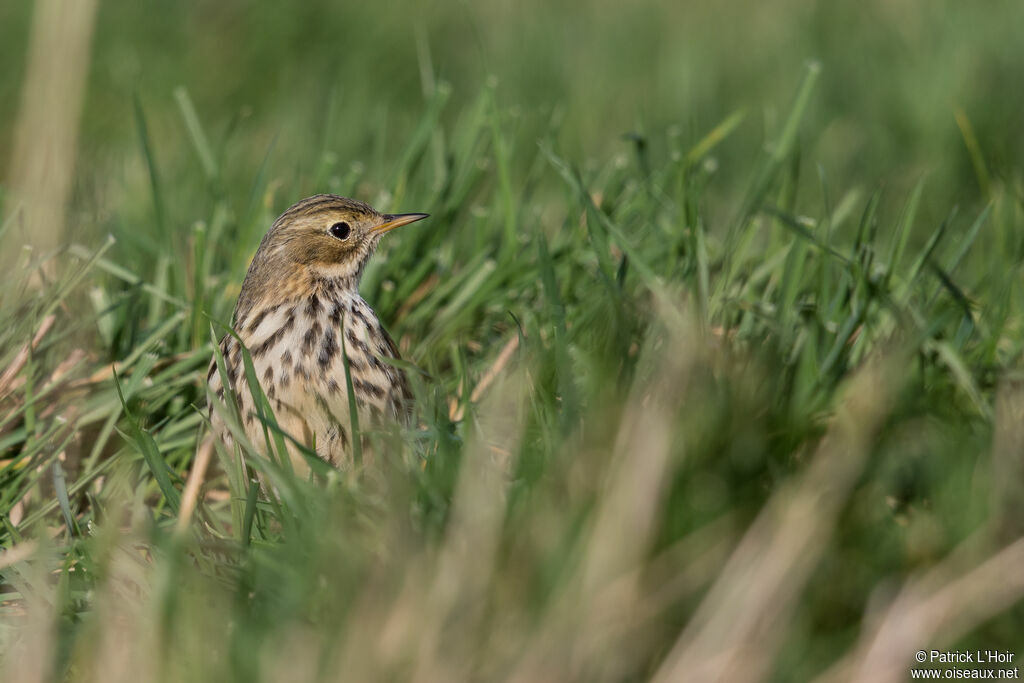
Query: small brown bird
{"x": 300, "y": 296}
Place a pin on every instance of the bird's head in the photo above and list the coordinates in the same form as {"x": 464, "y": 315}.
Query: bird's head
{"x": 325, "y": 237}
{"x": 331, "y": 236}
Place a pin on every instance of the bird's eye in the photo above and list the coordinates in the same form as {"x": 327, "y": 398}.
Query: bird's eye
{"x": 341, "y": 230}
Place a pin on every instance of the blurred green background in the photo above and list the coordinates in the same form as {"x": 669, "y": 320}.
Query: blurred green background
{"x": 895, "y": 71}
{"x": 550, "y": 141}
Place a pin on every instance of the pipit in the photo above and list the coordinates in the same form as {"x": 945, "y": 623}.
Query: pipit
{"x": 299, "y": 308}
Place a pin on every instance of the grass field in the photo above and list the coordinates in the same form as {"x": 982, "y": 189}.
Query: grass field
{"x": 715, "y": 335}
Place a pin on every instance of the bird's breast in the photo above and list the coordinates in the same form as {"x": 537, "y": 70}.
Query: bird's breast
{"x": 298, "y": 351}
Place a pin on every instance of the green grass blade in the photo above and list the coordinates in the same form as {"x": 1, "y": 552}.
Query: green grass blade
{"x": 353, "y": 409}
{"x": 150, "y": 453}
{"x": 199, "y": 140}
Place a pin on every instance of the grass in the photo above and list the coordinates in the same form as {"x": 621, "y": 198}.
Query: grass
{"x": 694, "y": 408}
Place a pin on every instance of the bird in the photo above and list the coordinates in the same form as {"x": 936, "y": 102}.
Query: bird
{"x": 298, "y": 311}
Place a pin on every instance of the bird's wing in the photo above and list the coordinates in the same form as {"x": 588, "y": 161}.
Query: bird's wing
{"x": 400, "y": 382}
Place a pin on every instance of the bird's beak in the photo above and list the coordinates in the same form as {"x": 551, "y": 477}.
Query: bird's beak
{"x": 397, "y": 220}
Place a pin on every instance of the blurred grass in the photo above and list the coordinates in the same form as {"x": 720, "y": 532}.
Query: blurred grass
{"x": 694, "y": 395}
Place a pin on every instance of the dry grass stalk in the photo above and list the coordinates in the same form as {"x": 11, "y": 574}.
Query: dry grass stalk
{"x": 605, "y": 602}
{"x": 1008, "y": 461}
{"x": 455, "y": 408}
{"x": 429, "y": 630}
{"x": 16, "y": 365}
{"x": 18, "y": 553}
{"x": 465, "y": 567}
{"x": 932, "y": 612}
{"x": 190, "y": 495}
{"x": 960, "y": 593}
{"x": 43, "y": 159}
{"x": 737, "y": 630}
